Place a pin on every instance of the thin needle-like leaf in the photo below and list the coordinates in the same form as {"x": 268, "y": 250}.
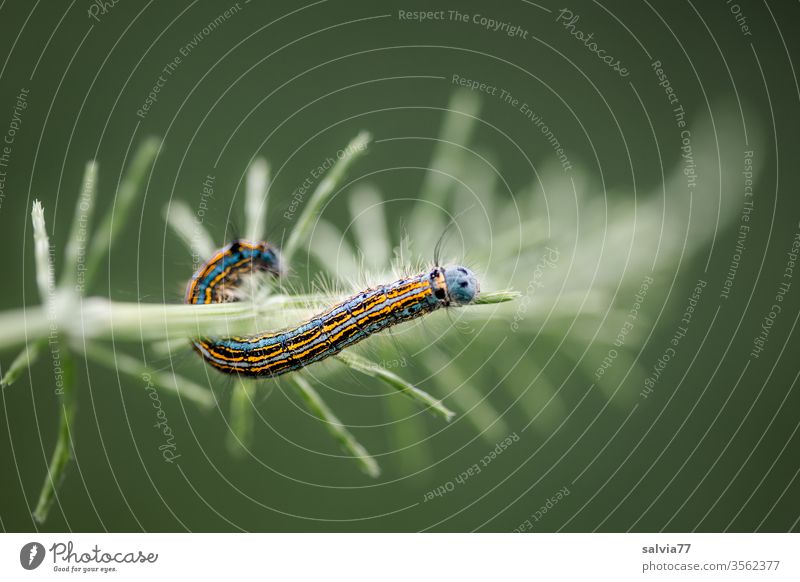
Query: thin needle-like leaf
{"x": 327, "y": 187}
{"x": 256, "y": 197}
{"x": 368, "y": 368}
{"x": 63, "y": 452}
{"x": 119, "y": 213}
{"x": 23, "y": 361}
{"x": 241, "y": 417}
{"x": 493, "y": 297}
{"x": 332, "y": 249}
{"x": 190, "y": 230}
{"x": 449, "y": 157}
{"x": 346, "y": 440}
{"x": 75, "y": 252}
{"x": 41, "y": 247}
{"x": 126, "y": 364}
{"x": 480, "y": 412}
{"x": 369, "y": 225}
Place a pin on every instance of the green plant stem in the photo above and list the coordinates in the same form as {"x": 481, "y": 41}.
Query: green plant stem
{"x": 97, "y": 318}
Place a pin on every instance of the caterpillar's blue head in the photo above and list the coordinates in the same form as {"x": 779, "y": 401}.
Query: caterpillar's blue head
{"x": 462, "y": 285}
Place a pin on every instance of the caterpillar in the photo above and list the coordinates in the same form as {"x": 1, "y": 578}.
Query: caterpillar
{"x": 356, "y": 318}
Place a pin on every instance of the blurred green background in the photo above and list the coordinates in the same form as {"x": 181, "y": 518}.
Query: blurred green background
{"x": 713, "y": 448}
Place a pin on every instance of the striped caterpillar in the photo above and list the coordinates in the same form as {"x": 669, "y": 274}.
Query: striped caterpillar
{"x": 271, "y": 354}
